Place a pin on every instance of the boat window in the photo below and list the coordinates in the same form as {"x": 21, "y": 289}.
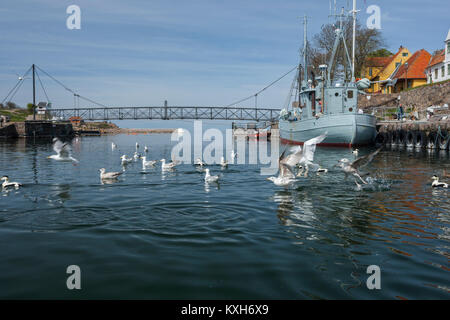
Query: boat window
{"x": 350, "y": 109}
{"x": 336, "y": 94}
{"x": 350, "y": 94}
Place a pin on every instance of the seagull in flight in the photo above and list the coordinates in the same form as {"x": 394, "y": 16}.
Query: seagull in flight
{"x": 286, "y": 175}
{"x": 353, "y": 167}
{"x": 63, "y": 151}
{"x": 6, "y": 183}
{"x": 303, "y": 157}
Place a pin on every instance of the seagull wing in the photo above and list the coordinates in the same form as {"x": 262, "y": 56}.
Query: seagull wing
{"x": 292, "y": 159}
{"x": 309, "y": 147}
{"x": 364, "y": 160}
{"x": 58, "y": 146}
{"x": 66, "y": 150}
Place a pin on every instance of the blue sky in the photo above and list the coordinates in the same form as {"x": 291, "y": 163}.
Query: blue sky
{"x": 196, "y": 52}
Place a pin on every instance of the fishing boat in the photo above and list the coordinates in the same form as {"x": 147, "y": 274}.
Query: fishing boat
{"x": 322, "y": 104}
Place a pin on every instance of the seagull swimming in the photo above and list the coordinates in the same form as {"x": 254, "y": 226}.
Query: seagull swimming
{"x": 7, "y": 183}
{"x": 113, "y": 146}
{"x": 137, "y": 146}
{"x": 233, "y": 154}
{"x": 199, "y": 162}
{"x": 145, "y": 149}
{"x": 355, "y": 152}
{"x": 63, "y": 151}
{"x": 209, "y": 177}
{"x": 125, "y": 160}
{"x": 167, "y": 166}
{"x": 108, "y": 175}
{"x": 136, "y": 156}
{"x": 286, "y": 175}
{"x": 223, "y": 163}
{"x": 149, "y": 163}
{"x": 304, "y": 156}
{"x": 437, "y": 184}
{"x": 352, "y": 168}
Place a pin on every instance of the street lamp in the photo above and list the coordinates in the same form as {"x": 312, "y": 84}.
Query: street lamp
{"x": 406, "y": 78}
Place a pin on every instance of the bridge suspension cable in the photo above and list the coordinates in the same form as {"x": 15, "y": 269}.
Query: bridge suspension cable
{"x": 16, "y": 87}
{"x": 70, "y": 90}
{"x": 263, "y": 89}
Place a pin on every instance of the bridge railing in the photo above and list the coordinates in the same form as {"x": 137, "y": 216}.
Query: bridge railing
{"x": 167, "y": 113}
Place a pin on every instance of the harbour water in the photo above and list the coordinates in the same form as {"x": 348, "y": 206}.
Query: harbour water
{"x": 170, "y": 236}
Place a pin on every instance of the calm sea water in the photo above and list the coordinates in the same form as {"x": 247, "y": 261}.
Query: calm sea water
{"x": 170, "y": 236}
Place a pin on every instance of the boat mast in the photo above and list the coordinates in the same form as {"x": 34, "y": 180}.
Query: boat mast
{"x": 305, "y": 46}
{"x": 354, "y": 12}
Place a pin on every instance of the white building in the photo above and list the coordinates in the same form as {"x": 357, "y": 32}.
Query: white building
{"x": 439, "y": 67}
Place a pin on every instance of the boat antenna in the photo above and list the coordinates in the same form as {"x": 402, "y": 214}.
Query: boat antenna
{"x": 354, "y": 12}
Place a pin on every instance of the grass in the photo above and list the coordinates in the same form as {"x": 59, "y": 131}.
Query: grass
{"x": 15, "y": 115}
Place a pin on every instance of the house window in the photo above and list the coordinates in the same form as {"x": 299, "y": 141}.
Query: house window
{"x": 448, "y": 47}
{"x": 397, "y": 64}
{"x": 448, "y": 69}
{"x": 405, "y": 54}
{"x": 370, "y": 72}
{"x": 435, "y": 73}
{"x": 443, "y": 71}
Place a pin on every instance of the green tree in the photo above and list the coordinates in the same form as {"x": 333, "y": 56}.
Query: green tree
{"x": 30, "y": 108}
{"x": 380, "y": 53}
{"x": 11, "y": 105}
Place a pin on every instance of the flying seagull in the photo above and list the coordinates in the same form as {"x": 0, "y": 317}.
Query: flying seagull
{"x": 63, "y": 151}
{"x": 353, "y": 167}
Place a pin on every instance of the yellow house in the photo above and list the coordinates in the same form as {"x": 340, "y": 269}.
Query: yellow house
{"x": 412, "y": 74}
{"x": 380, "y": 69}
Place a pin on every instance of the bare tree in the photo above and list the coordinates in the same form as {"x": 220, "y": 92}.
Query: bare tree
{"x": 367, "y": 41}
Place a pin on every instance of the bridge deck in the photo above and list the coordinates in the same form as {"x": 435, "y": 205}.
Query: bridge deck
{"x": 167, "y": 113}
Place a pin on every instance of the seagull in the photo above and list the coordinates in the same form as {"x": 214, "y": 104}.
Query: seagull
{"x": 108, "y": 175}
{"x": 286, "y": 176}
{"x": 355, "y": 152}
{"x": 145, "y": 149}
{"x": 63, "y": 151}
{"x": 146, "y": 163}
{"x": 322, "y": 170}
{"x": 352, "y": 168}
{"x": 7, "y": 184}
{"x": 136, "y": 156}
{"x": 137, "y": 146}
{"x": 304, "y": 156}
{"x": 113, "y": 146}
{"x": 167, "y": 166}
{"x": 199, "y": 162}
{"x": 233, "y": 154}
{"x": 125, "y": 160}
{"x": 223, "y": 163}
{"x": 210, "y": 178}
{"x": 437, "y": 184}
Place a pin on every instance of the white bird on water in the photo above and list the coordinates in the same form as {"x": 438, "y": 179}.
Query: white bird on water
{"x": 63, "y": 151}
{"x": 145, "y": 149}
{"x": 355, "y": 152}
{"x": 223, "y": 163}
{"x": 286, "y": 175}
{"x": 199, "y": 162}
{"x": 6, "y": 183}
{"x": 209, "y": 178}
{"x": 125, "y": 160}
{"x": 437, "y": 184}
{"x": 113, "y": 146}
{"x": 233, "y": 154}
{"x": 108, "y": 175}
{"x": 167, "y": 166}
{"x": 303, "y": 157}
{"x": 352, "y": 167}
{"x": 137, "y": 146}
{"x": 136, "y": 156}
{"x": 149, "y": 163}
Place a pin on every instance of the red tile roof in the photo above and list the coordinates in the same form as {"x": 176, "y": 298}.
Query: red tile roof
{"x": 416, "y": 66}
{"x": 437, "y": 58}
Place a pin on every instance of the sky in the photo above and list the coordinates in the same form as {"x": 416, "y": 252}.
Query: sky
{"x": 190, "y": 52}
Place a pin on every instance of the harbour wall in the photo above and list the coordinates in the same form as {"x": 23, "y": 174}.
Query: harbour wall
{"x": 36, "y": 129}
{"x": 415, "y": 134}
